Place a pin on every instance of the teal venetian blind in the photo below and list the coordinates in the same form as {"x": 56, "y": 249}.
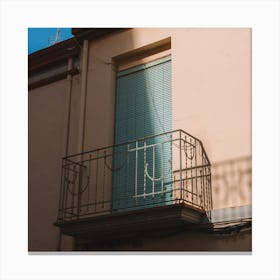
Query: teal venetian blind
{"x": 143, "y": 108}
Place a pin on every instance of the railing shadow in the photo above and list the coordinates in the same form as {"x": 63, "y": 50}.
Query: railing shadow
{"x": 232, "y": 182}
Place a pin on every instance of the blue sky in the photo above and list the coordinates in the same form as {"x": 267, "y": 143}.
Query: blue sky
{"x": 40, "y": 38}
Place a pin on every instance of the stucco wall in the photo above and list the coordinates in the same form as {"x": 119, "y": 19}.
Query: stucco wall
{"x": 47, "y": 107}
{"x": 212, "y": 89}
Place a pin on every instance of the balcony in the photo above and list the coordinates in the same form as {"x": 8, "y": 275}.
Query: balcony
{"x": 153, "y": 183}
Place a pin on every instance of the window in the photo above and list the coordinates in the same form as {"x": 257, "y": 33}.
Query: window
{"x": 143, "y": 108}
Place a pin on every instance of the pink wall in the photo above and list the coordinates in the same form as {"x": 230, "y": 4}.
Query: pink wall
{"x": 212, "y": 89}
{"x": 211, "y": 86}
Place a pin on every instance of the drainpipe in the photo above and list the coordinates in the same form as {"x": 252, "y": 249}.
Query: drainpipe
{"x": 67, "y": 123}
{"x": 82, "y": 121}
{"x": 69, "y": 97}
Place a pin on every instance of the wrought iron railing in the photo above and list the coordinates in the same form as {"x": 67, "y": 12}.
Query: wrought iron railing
{"x": 149, "y": 172}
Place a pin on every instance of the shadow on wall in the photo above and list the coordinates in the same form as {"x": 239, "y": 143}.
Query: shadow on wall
{"x": 232, "y": 182}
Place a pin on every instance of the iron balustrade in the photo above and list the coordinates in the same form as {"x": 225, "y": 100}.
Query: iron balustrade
{"x": 149, "y": 172}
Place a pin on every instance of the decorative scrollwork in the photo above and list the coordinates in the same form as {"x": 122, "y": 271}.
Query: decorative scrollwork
{"x": 161, "y": 178}
{"x": 189, "y": 147}
{"x": 68, "y": 180}
{"x": 151, "y": 178}
{"x": 118, "y": 168}
{"x": 73, "y": 183}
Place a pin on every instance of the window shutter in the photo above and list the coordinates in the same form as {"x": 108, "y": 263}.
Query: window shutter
{"x": 143, "y": 108}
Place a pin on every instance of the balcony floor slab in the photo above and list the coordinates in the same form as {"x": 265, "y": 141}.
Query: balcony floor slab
{"x": 134, "y": 223}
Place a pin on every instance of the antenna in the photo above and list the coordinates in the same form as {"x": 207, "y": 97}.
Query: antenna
{"x": 57, "y": 35}
{"x": 57, "y": 38}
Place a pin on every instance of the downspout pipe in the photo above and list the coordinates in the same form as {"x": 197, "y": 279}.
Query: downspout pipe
{"x": 67, "y": 123}
{"x": 69, "y": 97}
{"x": 83, "y": 96}
{"x": 82, "y": 121}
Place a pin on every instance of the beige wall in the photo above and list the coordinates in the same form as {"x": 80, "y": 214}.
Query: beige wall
{"x": 47, "y": 108}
